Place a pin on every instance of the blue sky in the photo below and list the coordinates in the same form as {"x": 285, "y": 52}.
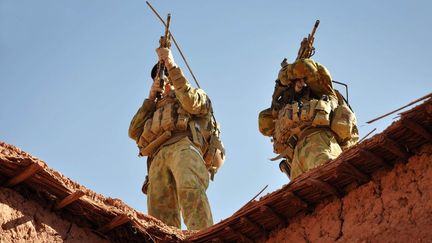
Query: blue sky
{"x": 73, "y": 73}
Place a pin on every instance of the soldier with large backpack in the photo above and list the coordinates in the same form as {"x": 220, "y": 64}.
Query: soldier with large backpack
{"x": 176, "y": 130}
{"x": 309, "y": 121}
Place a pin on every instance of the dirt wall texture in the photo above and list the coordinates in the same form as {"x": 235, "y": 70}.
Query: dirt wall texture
{"x": 395, "y": 206}
{"x": 24, "y": 220}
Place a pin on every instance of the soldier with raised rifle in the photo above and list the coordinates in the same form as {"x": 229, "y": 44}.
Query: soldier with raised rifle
{"x": 176, "y": 130}
{"x": 309, "y": 121}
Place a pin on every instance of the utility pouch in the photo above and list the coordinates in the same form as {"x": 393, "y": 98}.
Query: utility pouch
{"x": 156, "y": 124}
{"x": 168, "y": 118}
{"x": 182, "y": 119}
{"x": 147, "y": 134}
{"x": 283, "y": 124}
{"x": 304, "y": 114}
{"x": 322, "y": 117}
{"x": 285, "y": 118}
{"x": 142, "y": 142}
{"x": 295, "y": 111}
{"x": 343, "y": 122}
{"x": 312, "y": 105}
{"x": 152, "y": 147}
{"x": 288, "y": 112}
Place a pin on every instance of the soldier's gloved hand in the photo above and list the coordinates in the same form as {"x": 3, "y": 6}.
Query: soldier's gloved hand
{"x": 166, "y": 56}
{"x": 155, "y": 88}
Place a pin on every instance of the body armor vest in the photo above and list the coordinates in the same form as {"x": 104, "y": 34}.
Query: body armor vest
{"x": 293, "y": 119}
{"x": 170, "y": 123}
{"x": 299, "y": 118}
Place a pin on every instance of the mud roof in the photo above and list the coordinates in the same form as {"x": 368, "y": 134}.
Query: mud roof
{"x": 352, "y": 168}
{"x": 107, "y": 217}
{"x": 114, "y": 220}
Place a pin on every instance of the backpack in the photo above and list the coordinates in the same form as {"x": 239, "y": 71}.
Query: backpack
{"x": 344, "y": 123}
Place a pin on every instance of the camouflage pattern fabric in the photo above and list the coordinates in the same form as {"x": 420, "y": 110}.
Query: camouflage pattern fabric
{"x": 193, "y": 100}
{"x": 315, "y": 75}
{"x": 265, "y": 122}
{"x": 178, "y": 180}
{"x": 313, "y": 150}
{"x": 178, "y": 177}
{"x": 136, "y": 126}
{"x": 320, "y": 145}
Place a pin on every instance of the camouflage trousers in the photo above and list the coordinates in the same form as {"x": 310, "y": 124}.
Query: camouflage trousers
{"x": 178, "y": 180}
{"x": 313, "y": 150}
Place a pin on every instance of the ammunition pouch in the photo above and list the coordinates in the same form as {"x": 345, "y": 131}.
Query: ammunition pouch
{"x": 170, "y": 123}
{"x": 156, "y": 127}
{"x": 323, "y": 109}
{"x": 168, "y": 117}
{"x": 142, "y": 143}
{"x": 147, "y": 135}
{"x": 307, "y": 111}
{"x": 294, "y": 118}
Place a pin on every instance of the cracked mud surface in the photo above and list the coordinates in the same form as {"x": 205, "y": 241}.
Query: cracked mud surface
{"x": 16, "y": 207}
{"x": 395, "y": 206}
{"x": 24, "y": 220}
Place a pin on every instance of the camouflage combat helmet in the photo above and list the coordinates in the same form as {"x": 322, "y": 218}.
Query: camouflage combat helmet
{"x": 315, "y": 75}
{"x": 304, "y": 69}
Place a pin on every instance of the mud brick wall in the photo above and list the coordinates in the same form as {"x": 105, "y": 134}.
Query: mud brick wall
{"x": 396, "y": 206}
{"x": 24, "y": 220}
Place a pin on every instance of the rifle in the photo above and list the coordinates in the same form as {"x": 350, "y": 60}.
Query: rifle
{"x": 175, "y": 43}
{"x": 306, "y": 47}
{"x": 164, "y": 42}
{"x": 306, "y": 50}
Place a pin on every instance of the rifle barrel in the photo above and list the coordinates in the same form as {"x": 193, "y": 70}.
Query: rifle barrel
{"x": 167, "y": 29}
{"x": 315, "y": 28}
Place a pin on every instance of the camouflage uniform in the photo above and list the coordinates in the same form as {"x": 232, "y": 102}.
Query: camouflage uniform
{"x": 178, "y": 177}
{"x": 178, "y": 180}
{"x": 316, "y": 142}
{"x": 314, "y": 150}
